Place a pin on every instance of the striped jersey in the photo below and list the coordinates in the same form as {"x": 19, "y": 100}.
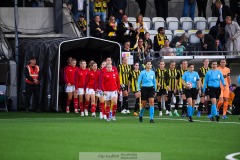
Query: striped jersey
{"x": 160, "y": 74}
{"x": 124, "y": 73}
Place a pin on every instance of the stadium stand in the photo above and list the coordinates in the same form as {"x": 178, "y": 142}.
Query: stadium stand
{"x": 200, "y": 23}
{"x": 148, "y": 21}
{"x": 186, "y": 23}
{"x": 158, "y": 22}
{"x": 211, "y": 21}
{"x": 172, "y": 23}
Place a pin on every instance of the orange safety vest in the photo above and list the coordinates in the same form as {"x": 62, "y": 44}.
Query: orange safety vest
{"x": 33, "y": 73}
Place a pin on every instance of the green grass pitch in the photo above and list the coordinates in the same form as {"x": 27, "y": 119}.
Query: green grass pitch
{"x": 61, "y": 136}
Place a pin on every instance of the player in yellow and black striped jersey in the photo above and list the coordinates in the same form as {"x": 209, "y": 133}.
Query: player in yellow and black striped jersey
{"x": 133, "y": 81}
{"x": 161, "y": 85}
{"x": 181, "y": 88}
{"x": 124, "y": 70}
{"x": 202, "y": 72}
{"x": 171, "y": 82}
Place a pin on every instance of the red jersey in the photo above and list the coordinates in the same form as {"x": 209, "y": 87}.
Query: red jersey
{"x": 110, "y": 81}
{"x": 91, "y": 79}
{"x": 80, "y": 76}
{"x": 69, "y": 74}
{"x": 102, "y": 71}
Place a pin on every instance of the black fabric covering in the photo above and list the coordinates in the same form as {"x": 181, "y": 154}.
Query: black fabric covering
{"x": 46, "y": 51}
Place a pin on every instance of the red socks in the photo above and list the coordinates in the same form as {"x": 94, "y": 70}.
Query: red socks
{"x": 75, "y": 100}
{"x": 93, "y": 108}
{"x": 107, "y": 111}
{"x": 114, "y": 110}
{"x": 81, "y": 106}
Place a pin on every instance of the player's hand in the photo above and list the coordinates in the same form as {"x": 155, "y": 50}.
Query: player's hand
{"x": 139, "y": 94}
{"x": 104, "y": 93}
{"x": 76, "y": 91}
{"x": 69, "y": 84}
{"x": 203, "y": 94}
{"x": 128, "y": 90}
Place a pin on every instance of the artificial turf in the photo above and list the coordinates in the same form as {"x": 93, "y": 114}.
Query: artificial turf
{"x": 61, "y": 136}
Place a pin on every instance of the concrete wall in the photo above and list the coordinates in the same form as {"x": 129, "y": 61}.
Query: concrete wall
{"x": 31, "y": 20}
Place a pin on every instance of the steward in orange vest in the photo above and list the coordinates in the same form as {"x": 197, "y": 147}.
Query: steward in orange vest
{"x": 32, "y": 85}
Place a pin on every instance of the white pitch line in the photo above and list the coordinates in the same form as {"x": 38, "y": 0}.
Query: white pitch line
{"x": 118, "y": 117}
{"x": 231, "y": 156}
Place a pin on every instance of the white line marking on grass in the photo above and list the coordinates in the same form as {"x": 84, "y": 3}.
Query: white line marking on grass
{"x": 118, "y": 117}
{"x": 230, "y": 156}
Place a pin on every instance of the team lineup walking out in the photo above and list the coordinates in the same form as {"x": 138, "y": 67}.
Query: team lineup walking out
{"x": 97, "y": 89}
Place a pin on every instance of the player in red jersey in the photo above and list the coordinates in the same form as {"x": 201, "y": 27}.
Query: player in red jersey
{"x": 110, "y": 88}
{"x": 90, "y": 87}
{"x": 80, "y": 78}
{"x": 99, "y": 94}
{"x": 69, "y": 75}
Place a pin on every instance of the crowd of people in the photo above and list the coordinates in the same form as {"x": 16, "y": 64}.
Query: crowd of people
{"x": 107, "y": 88}
{"x": 109, "y": 21}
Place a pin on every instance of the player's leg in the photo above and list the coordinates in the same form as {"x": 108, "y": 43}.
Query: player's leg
{"x": 184, "y": 105}
{"x": 102, "y": 106}
{"x": 69, "y": 99}
{"x": 87, "y": 102}
{"x": 80, "y": 100}
{"x": 177, "y": 95}
{"x": 159, "y": 99}
{"x": 93, "y": 104}
{"x": 144, "y": 98}
{"x": 75, "y": 100}
{"x": 114, "y": 97}
{"x": 125, "y": 98}
{"x": 136, "y": 108}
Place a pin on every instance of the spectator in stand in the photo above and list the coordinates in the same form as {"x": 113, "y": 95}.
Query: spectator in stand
{"x": 140, "y": 26}
{"x": 207, "y": 42}
{"x": 183, "y": 39}
{"x": 166, "y": 50}
{"x": 77, "y": 7}
{"x": 189, "y": 8}
{"x": 119, "y": 7}
{"x": 148, "y": 45}
{"x": 126, "y": 47}
{"x": 141, "y": 51}
{"x": 232, "y": 35}
{"x": 83, "y": 24}
{"x": 202, "y": 6}
{"x": 142, "y": 6}
{"x": 125, "y": 30}
{"x": 161, "y": 8}
{"x": 159, "y": 39}
{"x": 222, "y": 12}
{"x": 179, "y": 49}
{"x": 97, "y": 27}
{"x": 100, "y": 8}
{"x": 218, "y": 46}
{"x": 111, "y": 29}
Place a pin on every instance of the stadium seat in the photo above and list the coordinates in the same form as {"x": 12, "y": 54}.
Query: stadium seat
{"x": 132, "y": 20}
{"x": 169, "y": 35}
{"x": 205, "y": 31}
{"x": 148, "y": 21}
{"x": 152, "y": 34}
{"x": 158, "y": 22}
{"x": 193, "y": 39}
{"x": 200, "y": 23}
{"x": 178, "y": 33}
{"x": 212, "y": 21}
{"x": 186, "y": 23}
{"x": 172, "y": 23}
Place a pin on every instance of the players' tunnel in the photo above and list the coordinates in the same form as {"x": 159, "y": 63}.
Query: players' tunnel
{"x": 51, "y": 55}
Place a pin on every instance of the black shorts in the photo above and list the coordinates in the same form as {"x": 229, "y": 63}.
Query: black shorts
{"x": 170, "y": 93}
{"x": 182, "y": 92}
{"x": 191, "y": 93}
{"x": 147, "y": 92}
{"x": 124, "y": 87}
{"x": 162, "y": 92}
{"x": 214, "y": 92}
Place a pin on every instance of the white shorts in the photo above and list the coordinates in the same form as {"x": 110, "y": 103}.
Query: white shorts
{"x": 70, "y": 89}
{"x": 80, "y": 91}
{"x": 110, "y": 95}
{"x": 90, "y": 91}
{"x": 99, "y": 93}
